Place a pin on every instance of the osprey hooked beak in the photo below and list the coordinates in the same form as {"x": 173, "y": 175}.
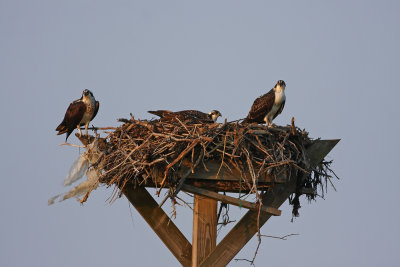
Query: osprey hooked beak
{"x": 281, "y": 83}
{"x": 214, "y": 114}
{"x": 86, "y": 92}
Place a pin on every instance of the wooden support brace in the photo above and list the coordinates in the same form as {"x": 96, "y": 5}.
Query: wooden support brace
{"x": 161, "y": 224}
{"x": 247, "y": 227}
{"x": 230, "y": 200}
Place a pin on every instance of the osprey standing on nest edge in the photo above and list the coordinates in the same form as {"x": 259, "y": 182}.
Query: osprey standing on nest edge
{"x": 266, "y": 107}
{"x": 80, "y": 112}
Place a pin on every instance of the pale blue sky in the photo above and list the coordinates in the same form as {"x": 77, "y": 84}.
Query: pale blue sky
{"x": 340, "y": 61}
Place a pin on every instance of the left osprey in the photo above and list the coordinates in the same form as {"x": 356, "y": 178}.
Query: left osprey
{"x": 80, "y": 112}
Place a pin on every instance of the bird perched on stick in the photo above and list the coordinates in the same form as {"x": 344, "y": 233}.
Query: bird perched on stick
{"x": 80, "y": 112}
{"x": 266, "y": 107}
{"x": 191, "y": 115}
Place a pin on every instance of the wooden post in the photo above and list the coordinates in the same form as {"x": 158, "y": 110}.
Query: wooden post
{"x": 246, "y": 228}
{"x": 204, "y": 228}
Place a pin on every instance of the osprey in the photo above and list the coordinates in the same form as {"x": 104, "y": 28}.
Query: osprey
{"x": 266, "y": 107}
{"x": 80, "y": 112}
{"x": 193, "y": 115}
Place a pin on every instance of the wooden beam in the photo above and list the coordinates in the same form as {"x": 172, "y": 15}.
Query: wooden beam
{"x": 247, "y": 227}
{"x": 161, "y": 224}
{"x": 204, "y": 228}
{"x": 216, "y": 185}
{"x": 213, "y": 167}
{"x": 230, "y": 200}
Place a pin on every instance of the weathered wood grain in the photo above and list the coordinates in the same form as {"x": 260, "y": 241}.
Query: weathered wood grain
{"x": 230, "y": 200}
{"x": 204, "y": 228}
{"x": 161, "y": 224}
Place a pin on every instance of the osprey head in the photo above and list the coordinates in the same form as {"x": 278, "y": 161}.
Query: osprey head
{"x": 281, "y": 84}
{"x": 214, "y": 114}
{"x": 87, "y": 93}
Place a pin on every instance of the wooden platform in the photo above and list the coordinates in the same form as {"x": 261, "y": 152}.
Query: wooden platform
{"x": 204, "y": 251}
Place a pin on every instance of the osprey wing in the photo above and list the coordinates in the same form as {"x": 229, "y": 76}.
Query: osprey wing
{"x": 183, "y": 115}
{"x": 261, "y": 106}
{"x": 193, "y": 115}
{"x": 96, "y": 109}
{"x": 72, "y": 118}
{"x": 160, "y": 113}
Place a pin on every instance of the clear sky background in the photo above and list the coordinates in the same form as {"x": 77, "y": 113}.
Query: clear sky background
{"x": 339, "y": 59}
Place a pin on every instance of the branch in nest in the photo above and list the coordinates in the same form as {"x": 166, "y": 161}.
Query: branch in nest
{"x": 179, "y": 187}
{"x": 184, "y": 152}
{"x": 68, "y": 144}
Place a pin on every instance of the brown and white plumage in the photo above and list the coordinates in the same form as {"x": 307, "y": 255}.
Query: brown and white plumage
{"x": 266, "y": 107}
{"x": 80, "y": 112}
{"x": 188, "y": 115}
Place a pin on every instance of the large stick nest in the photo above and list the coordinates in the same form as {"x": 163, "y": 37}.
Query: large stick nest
{"x": 143, "y": 152}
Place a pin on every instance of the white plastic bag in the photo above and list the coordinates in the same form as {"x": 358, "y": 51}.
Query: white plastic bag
{"x": 77, "y": 170}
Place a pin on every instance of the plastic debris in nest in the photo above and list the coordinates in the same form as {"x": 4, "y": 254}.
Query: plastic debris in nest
{"x": 162, "y": 154}
{"x": 77, "y": 170}
{"x": 92, "y": 156}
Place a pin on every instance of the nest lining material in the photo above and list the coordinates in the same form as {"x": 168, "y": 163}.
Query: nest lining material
{"x": 143, "y": 152}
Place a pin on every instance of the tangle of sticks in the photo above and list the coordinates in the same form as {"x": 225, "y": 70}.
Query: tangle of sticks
{"x": 162, "y": 154}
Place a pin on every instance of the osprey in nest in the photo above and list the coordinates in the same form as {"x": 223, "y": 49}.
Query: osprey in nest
{"x": 266, "y": 107}
{"x": 188, "y": 115}
{"x": 80, "y": 112}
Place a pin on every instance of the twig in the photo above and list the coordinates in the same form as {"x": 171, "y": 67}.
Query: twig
{"x": 259, "y": 243}
{"x": 184, "y": 152}
{"x": 182, "y": 180}
{"x": 279, "y": 237}
{"x": 68, "y": 144}
{"x": 223, "y": 156}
